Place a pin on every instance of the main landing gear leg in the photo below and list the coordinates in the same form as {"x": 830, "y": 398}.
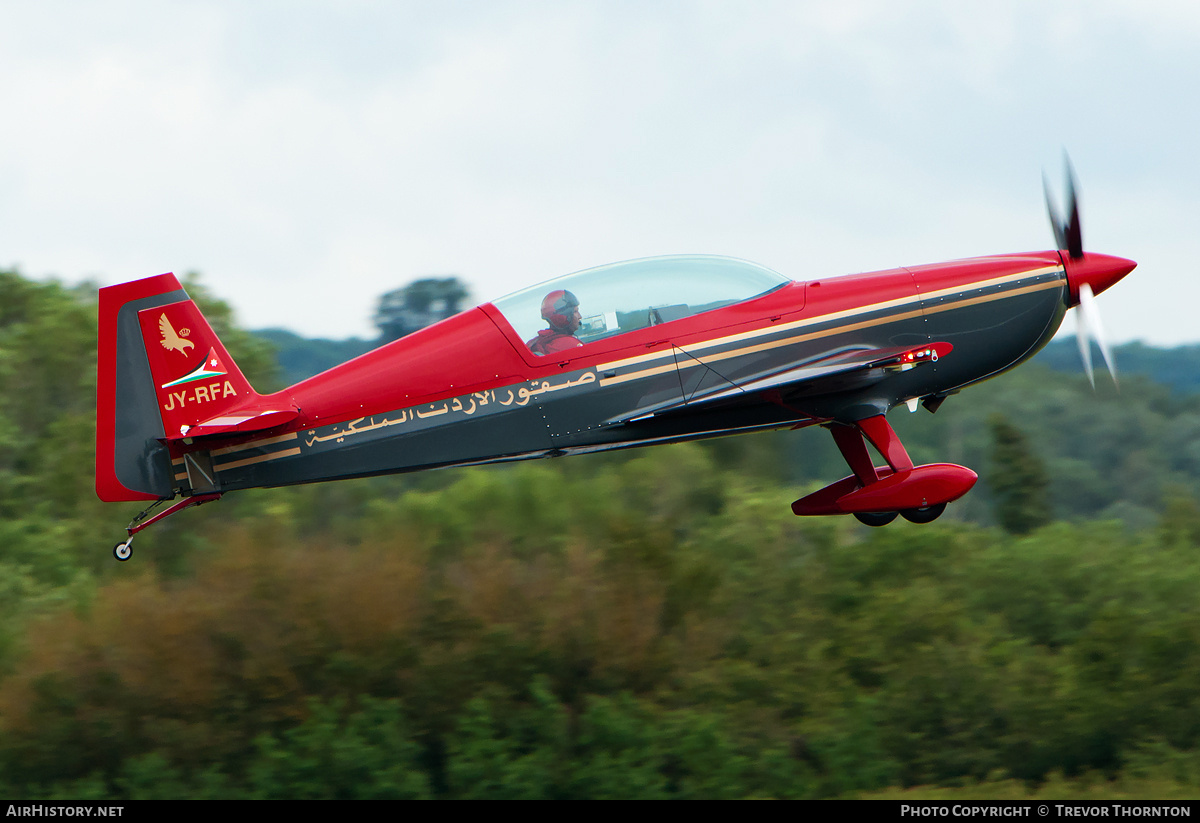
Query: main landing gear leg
{"x": 123, "y": 551}
{"x": 876, "y": 494}
{"x": 883, "y": 437}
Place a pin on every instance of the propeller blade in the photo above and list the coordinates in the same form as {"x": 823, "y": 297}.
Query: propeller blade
{"x": 1069, "y": 237}
{"x": 1060, "y": 237}
{"x": 1083, "y": 339}
{"x": 1068, "y": 234}
{"x": 1090, "y": 314}
{"x": 1073, "y": 230}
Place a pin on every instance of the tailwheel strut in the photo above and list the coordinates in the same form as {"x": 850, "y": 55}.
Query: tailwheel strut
{"x": 876, "y": 494}
{"x": 123, "y": 551}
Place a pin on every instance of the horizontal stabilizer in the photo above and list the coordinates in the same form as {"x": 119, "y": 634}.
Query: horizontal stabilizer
{"x": 239, "y": 422}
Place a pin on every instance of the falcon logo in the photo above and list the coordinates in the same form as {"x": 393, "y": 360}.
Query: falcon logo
{"x": 170, "y": 340}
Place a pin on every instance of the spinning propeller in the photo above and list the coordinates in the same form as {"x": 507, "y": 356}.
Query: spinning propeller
{"x": 1087, "y": 322}
{"x": 1087, "y": 275}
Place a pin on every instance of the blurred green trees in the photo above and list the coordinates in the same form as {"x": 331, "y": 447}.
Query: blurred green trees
{"x": 742, "y": 652}
{"x": 654, "y": 623}
{"x": 1018, "y": 480}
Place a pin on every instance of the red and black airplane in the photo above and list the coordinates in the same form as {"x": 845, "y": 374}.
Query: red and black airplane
{"x": 631, "y": 354}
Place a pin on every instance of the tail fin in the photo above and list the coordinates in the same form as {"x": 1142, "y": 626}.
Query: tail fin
{"x": 161, "y": 373}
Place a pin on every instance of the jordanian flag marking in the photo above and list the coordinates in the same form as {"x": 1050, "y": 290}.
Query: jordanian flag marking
{"x": 211, "y": 367}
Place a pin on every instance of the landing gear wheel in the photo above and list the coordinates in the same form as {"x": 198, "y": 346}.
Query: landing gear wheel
{"x": 123, "y": 551}
{"x": 875, "y": 518}
{"x": 925, "y": 515}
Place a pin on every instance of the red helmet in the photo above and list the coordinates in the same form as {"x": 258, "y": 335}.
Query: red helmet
{"x": 558, "y": 308}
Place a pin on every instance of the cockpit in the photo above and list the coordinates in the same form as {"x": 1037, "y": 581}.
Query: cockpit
{"x": 624, "y": 297}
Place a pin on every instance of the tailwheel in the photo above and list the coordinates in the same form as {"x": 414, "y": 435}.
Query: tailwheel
{"x": 925, "y": 515}
{"x": 123, "y": 551}
{"x": 876, "y": 518}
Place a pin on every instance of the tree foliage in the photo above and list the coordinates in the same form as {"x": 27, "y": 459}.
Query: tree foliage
{"x": 1018, "y": 480}
{"x": 417, "y": 305}
{"x": 648, "y": 624}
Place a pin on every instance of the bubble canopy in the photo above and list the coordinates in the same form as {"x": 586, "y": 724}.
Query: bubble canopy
{"x": 622, "y": 297}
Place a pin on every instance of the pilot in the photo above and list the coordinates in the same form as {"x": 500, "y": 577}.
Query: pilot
{"x": 560, "y": 309}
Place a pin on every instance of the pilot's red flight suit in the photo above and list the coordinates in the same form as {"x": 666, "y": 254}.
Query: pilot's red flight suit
{"x": 552, "y": 341}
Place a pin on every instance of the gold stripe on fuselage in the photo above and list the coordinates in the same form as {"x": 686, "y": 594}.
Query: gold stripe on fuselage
{"x": 262, "y": 458}
{"x": 241, "y": 447}
{"x": 827, "y": 318}
{"x": 254, "y": 444}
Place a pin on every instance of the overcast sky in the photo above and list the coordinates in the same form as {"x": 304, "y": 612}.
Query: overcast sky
{"x": 305, "y": 157}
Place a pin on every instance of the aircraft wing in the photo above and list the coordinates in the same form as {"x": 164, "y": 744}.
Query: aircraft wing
{"x": 830, "y": 373}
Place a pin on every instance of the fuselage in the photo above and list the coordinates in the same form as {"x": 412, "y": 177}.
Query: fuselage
{"x": 469, "y": 390}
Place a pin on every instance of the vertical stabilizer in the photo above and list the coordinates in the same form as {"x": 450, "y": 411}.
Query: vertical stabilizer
{"x": 160, "y": 370}
{"x": 195, "y": 379}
